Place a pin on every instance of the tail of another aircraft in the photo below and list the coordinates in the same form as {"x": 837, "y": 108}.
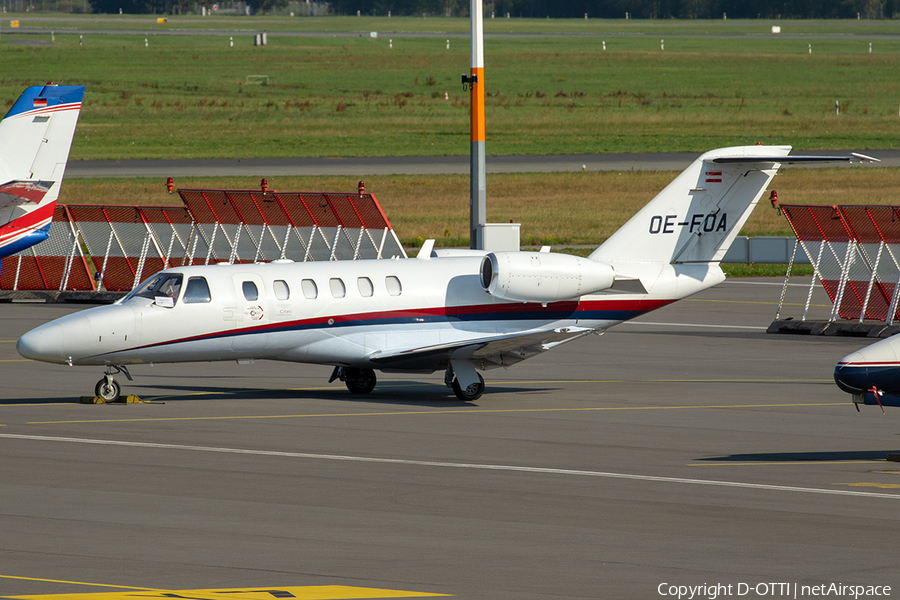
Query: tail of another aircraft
{"x": 35, "y": 138}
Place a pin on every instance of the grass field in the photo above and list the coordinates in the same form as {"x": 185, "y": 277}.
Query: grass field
{"x": 189, "y": 96}
{"x": 454, "y": 25}
{"x": 717, "y": 83}
{"x": 558, "y": 209}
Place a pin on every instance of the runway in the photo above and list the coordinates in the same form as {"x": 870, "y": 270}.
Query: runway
{"x": 686, "y": 448}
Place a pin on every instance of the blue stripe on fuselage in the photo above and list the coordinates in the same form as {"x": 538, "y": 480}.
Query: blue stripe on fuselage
{"x": 26, "y": 241}
{"x": 417, "y": 318}
{"x": 857, "y": 379}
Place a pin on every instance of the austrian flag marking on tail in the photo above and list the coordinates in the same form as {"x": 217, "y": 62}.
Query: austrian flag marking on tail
{"x": 714, "y": 177}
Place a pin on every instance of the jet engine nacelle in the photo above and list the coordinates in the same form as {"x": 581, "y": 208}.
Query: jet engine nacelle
{"x": 543, "y": 277}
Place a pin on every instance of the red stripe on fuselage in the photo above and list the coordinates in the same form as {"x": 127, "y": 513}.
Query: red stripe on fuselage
{"x": 27, "y": 221}
{"x": 887, "y": 363}
{"x": 572, "y": 308}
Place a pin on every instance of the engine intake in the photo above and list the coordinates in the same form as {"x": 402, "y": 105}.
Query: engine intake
{"x": 543, "y": 277}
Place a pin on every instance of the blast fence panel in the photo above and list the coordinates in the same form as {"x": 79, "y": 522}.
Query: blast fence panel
{"x": 249, "y": 225}
{"x": 126, "y": 244}
{"x": 56, "y": 264}
{"x": 855, "y": 253}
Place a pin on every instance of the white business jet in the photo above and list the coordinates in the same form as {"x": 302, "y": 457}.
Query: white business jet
{"x": 35, "y": 137}
{"x": 456, "y": 311}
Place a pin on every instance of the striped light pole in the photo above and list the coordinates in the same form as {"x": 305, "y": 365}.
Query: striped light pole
{"x": 475, "y": 80}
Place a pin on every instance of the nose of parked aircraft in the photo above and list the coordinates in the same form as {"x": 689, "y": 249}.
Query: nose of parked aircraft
{"x": 43, "y": 343}
{"x": 876, "y": 366}
{"x": 851, "y": 374}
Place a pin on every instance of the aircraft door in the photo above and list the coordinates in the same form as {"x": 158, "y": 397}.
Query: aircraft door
{"x": 252, "y": 310}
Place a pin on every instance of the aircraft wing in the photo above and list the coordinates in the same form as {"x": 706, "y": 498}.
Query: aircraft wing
{"x": 16, "y": 193}
{"x": 485, "y": 353}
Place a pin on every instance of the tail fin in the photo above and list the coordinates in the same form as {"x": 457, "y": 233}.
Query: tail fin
{"x": 35, "y": 138}
{"x": 37, "y": 132}
{"x": 697, "y": 216}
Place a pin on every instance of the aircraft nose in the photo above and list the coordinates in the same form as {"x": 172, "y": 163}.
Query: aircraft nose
{"x": 44, "y": 343}
{"x": 858, "y": 372}
{"x": 850, "y": 377}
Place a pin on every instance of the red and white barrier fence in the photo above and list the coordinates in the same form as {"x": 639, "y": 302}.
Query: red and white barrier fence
{"x": 854, "y": 250}
{"x": 94, "y": 247}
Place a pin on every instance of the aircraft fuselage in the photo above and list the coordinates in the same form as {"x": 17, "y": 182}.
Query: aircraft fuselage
{"x": 337, "y": 313}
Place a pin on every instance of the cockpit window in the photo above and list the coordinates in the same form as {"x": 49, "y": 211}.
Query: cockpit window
{"x": 161, "y": 284}
{"x": 197, "y": 291}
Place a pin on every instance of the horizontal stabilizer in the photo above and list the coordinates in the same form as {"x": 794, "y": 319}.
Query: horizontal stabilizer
{"x": 792, "y": 159}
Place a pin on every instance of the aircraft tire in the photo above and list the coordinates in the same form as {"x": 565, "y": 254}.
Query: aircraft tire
{"x": 471, "y": 393}
{"x": 110, "y": 392}
{"x": 362, "y": 381}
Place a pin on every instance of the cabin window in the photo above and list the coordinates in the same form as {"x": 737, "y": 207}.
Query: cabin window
{"x": 309, "y": 288}
{"x": 251, "y": 292}
{"x": 337, "y": 287}
{"x": 282, "y": 291}
{"x": 365, "y": 286}
{"x": 393, "y": 285}
{"x": 197, "y": 291}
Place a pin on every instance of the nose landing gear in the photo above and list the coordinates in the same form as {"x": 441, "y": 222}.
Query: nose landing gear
{"x": 108, "y": 388}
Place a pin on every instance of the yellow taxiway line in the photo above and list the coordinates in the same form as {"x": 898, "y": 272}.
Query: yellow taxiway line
{"x": 793, "y": 463}
{"x": 439, "y": 412}
{"x": 310, "y": 592}
{"x": 40, "y": 579}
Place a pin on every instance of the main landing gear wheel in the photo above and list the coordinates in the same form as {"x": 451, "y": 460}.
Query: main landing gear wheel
{"x": 471, "y": 393}
{"x": 108, "y": 389}
{"x": 359, "y": 381}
